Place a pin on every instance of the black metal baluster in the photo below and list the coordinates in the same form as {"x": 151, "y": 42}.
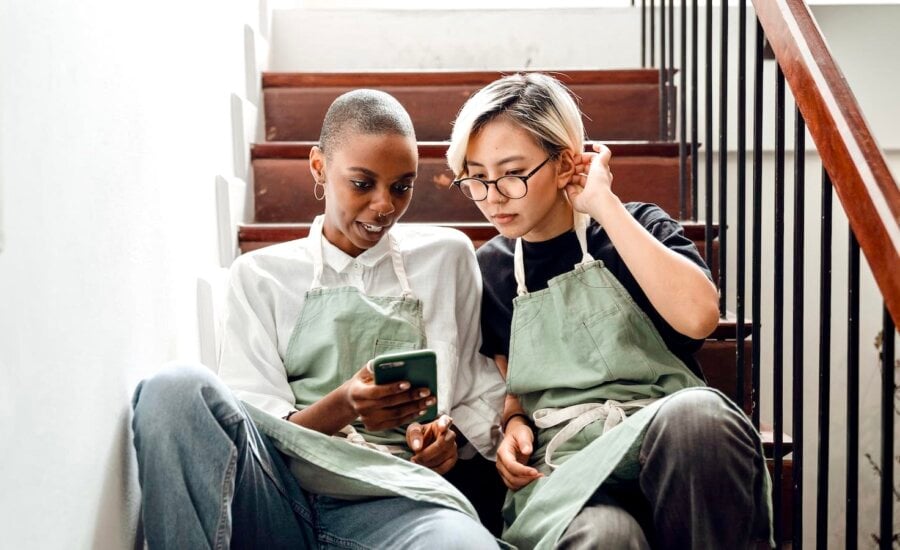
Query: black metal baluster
{"x": 852, "y": 396}
{"x": 824, "y": 368}
{"x": 778, "y": 300}
{"x": 682, "y": 122}
{"x": 663, "y": 79}
{"x": 652, "y": 33}
{"x": 643, "y": 34}
{"x": 670, "y": 76}
{"x": 741, "y": 252}
{"x": 708, "y": 237}
{"x": 756, "y": 268}
{"x": 723, "y": 158}
{"x": 887, "y": 432}
{"x": 797, "y": 403}
{"x": 695, "y": 143}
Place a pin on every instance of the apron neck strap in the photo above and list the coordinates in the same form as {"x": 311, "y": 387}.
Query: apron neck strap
{"x": 581, "y": 222}
{"x": 316, "y": 242}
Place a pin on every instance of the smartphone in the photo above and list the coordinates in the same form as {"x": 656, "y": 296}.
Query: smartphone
{"x": 419, "y": 367}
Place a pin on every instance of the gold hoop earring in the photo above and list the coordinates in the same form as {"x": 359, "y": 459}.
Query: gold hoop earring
{"x": 316, "y": 191}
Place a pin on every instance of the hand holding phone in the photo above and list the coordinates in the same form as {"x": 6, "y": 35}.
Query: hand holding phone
{"x": 418, "y": 367}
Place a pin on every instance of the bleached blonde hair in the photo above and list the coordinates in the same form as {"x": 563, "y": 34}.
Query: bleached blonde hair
{"x": 537, "y": 102}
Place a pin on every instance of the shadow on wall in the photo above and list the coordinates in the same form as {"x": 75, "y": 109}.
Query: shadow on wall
{"x": 119, "y": 507}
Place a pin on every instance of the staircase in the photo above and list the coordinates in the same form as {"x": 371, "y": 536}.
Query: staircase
{"x": 622, "y": 109}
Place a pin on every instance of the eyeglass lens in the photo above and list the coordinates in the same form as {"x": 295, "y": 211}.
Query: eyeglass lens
{"x": 509, "y": 186}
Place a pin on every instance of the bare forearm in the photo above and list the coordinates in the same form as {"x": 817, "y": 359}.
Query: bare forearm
{"x": 677, "y": 288}
{"x": 327, "y": 415}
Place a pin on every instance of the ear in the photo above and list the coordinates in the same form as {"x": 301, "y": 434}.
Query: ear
{"x": 317, "y": 164}
{"x": 566, "y": 169}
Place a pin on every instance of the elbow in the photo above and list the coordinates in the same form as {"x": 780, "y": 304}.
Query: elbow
{"x": 705, "y": 317}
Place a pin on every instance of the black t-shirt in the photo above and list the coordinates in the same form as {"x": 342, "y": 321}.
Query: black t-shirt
{"x": 547, "y": 259}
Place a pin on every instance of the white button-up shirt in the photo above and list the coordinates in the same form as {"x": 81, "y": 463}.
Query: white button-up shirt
{"x": 267, "y": 291}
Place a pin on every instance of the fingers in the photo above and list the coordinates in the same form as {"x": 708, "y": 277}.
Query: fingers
{"x": 513, "y": 455}
{"x": 441, "y": 452}
{"x": 374, "y": 416}
{"x": 414, "y": 436}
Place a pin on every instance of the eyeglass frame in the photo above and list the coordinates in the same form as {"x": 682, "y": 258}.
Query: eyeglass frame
{"x": 486, "y": 183}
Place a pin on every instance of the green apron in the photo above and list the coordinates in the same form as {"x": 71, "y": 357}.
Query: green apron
{"x": 338, "y": 331}
{"x": 583, "y": 359}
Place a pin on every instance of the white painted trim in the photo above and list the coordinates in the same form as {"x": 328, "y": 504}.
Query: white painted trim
{"x": 210, "y": 299}
{"x": 244, "y": 123}
{"x": 256, "y": 51}
{"x": 232, "y": 208}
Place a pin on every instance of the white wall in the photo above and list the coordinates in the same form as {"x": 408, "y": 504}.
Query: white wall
{"x": 115, "y": 121}
{"x": 392, "y": 39}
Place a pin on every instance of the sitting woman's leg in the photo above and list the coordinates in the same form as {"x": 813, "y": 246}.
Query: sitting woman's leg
{"x": 604, "y": 522}
{"x": 208, "y": 477}
{"x": 398, "y": 523}
{"x": 701, "y": 468}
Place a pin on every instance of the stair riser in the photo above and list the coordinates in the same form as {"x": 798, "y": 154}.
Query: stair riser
{"x": 283, "y": 189}
{"x": 723, "y": 352}
{"x": 613, "y": 111}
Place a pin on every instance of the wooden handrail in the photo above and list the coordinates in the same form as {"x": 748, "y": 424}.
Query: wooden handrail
{"x": 864, "y": 185}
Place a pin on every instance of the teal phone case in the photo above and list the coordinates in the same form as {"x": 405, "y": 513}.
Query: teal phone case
{"x": 419, "y": 367}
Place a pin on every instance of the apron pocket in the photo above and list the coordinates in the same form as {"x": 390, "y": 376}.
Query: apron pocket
{"x": 618, "y": 348}
{"x": 383, "y": 345}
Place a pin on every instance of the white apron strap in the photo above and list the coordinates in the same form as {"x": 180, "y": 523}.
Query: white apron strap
{"x": 612, "y": 413}
{"x": 315, "y": 249}
{"x": 581, "y": 222}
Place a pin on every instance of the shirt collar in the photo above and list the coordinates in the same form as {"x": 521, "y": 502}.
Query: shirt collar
{"x": 339, "y": 261}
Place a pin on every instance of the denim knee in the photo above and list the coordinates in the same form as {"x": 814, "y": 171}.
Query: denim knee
{"x": 166, "y": 403}
{"x": 453, "y": 530}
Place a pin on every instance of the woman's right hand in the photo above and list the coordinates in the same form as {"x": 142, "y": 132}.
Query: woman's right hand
{"x": 386, "y": 406}
{"x": 513, "y": 455}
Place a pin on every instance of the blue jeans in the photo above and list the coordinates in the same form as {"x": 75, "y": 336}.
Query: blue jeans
{"x": 210, "y": 479}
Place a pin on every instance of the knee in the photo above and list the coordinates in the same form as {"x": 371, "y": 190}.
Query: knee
{"x": 452, "y": 530}
{"x": 695, "y": 424}
{"x": 605, "y": 525}
{"x": 161, "y": 402}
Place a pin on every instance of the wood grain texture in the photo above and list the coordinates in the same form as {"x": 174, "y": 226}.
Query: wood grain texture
{"x": 613, "y": 110}
{"x": 283, "y": 185}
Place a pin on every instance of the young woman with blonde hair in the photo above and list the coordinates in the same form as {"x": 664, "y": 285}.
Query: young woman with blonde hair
{"x": 592, "y": 309}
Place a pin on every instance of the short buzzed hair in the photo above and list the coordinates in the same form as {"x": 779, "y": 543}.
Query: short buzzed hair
{"x": 363, "y": 111}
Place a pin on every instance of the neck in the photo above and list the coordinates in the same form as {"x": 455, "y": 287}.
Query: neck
{"x": 557, "y": 221}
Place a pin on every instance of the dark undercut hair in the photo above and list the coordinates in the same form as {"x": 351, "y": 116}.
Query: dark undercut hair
{"x": 363, "y": 111}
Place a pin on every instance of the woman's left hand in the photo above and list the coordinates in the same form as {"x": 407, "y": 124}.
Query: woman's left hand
{"x": 433, "y": 444}
{"x": 592, "y": 182}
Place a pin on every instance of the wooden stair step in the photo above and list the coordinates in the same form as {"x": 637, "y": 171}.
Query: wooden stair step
{"x": 283, "y": 185}
{"x": 768, "y": 441}
{"x": 257, "y": 235}
{"x": 618, "y": 104}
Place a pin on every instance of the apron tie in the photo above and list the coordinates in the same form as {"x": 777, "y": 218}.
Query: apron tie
{"x": 612, "y": 413}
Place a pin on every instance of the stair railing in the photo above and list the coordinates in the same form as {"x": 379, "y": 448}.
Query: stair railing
{"x": 853, "y": 167}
